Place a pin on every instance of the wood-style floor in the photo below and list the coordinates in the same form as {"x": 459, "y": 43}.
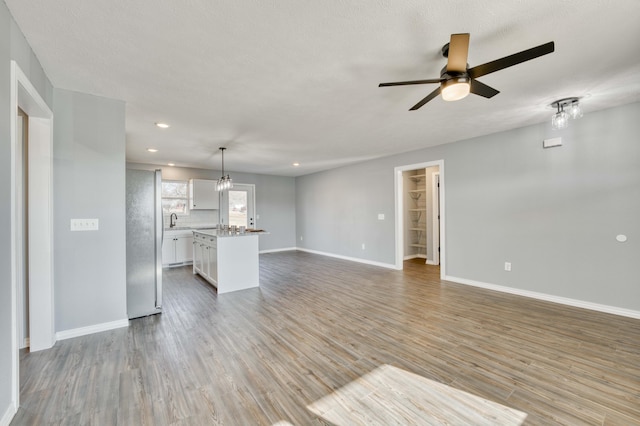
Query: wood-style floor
{"x": 316, "y": 324}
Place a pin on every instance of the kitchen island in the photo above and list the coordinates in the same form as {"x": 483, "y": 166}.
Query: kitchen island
{"x": 229, "y": 261}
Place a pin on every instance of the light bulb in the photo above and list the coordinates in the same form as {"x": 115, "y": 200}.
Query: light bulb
{"x": 560, "y": 120}
{"x": 575, "y": 111}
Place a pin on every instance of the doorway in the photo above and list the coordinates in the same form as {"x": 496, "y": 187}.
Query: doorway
{"x": 420, "y": 192}
{"x": 31, "y": 222}
{"x": 420, "y": 217}
{"x": 237, "y": 206}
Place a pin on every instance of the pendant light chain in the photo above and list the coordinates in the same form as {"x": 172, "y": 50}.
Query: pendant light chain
{"x": 224, "y": 182}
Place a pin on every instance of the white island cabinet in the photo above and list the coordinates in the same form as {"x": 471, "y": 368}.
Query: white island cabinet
{"x": 228, "y": 261}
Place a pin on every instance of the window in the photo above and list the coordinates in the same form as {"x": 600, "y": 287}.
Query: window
{"x": 175, "y": 196}
{"x": 237, "y": 208}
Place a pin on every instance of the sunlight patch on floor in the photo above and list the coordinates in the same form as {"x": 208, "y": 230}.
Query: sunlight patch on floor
{"x": 390, "y": 395}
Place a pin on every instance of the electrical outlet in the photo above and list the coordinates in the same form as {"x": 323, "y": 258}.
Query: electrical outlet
{"x": 380, "y": 216}
{"x": 301, "y": 238}
{"x": 84, "y": 225}
{"x": 507, "y": 266}
{"x": 362, "y": 246}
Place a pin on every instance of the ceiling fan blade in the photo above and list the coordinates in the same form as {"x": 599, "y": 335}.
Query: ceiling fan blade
{"x": 406, "y": 83}
{"x": 458, "y": 52}
{"x": 511, "y": 60}
{"x": 425, "y": 100}
{"x": 482, "y": 89}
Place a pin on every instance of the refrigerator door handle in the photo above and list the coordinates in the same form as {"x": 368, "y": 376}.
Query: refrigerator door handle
{"x": 159, "y": 235}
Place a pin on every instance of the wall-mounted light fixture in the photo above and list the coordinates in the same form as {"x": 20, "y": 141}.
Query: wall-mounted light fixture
{"x": 565, "y": 109}
{"x": 224, "y": 182}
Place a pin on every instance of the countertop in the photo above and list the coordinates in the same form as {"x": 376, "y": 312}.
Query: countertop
{"x": 189, "y": 228}
{"x": 225, "y": 234}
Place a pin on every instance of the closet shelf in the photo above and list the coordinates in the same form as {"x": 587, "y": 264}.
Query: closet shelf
{"x": 419, "y": 245}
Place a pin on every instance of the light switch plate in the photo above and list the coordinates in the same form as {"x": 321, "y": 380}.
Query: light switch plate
{"x": 84, "y": 224}
{"x": 380, "y": 216}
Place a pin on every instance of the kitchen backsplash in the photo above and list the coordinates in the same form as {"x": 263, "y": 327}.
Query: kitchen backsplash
{"x": 195, "y": 218}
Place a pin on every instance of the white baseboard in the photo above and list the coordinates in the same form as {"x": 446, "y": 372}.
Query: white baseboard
{"x": 277, "y": 250}
{"x": 415, "y": 256}
{"x": 431, "y": 262}
{"x": 549, "y": 298}
{"x": 177, "y": 265}
{"x": 352, "y": 259}
{"x": 25, "y": 343}
{"x": 97, "y": 328}
{"x": 8, "y": 414}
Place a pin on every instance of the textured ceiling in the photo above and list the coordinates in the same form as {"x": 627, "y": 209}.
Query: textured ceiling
{"x": 296, "y": 81}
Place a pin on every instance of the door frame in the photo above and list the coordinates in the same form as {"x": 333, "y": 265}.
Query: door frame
{"x": 399, "y": 210}
{"x": 40, "y": 219}
{"x": 435, "y": 213}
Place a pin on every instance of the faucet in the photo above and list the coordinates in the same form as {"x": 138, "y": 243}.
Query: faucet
{"x": 171, "y": 222}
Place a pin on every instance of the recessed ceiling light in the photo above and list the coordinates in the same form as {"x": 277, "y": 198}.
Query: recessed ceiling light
{"x": 171, "y": 164}
{"x": 296, "y": 164}
{"x": 152, "y": 150}
{"x": 162, "y": 125}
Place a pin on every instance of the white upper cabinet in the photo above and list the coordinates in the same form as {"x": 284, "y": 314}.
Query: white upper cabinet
{"x": 203, "y": 195}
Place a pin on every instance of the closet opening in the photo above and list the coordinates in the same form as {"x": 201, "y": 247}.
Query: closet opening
{"x": 420, "y": 214}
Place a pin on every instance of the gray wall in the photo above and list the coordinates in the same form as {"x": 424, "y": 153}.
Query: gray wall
{"x": 554, "y": 213}
{"x": 5, "y": 210}
{"x": 275, "y": 200}
{"x": 89, "y": 182}
{"x": 337, "y": 211}
{"x": 12, "y": 46}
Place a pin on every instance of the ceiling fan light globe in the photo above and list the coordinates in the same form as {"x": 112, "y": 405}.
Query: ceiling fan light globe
{"x": 455, "y": 89}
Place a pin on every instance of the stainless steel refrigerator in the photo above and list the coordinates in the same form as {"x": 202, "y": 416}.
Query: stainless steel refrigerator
{"x": 144, "y": 242}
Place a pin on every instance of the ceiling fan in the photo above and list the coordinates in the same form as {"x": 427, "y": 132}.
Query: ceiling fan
{"x": 457, "y": 80}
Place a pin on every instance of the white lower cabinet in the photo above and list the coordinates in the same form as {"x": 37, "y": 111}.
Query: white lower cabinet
{"x": 197, "y": 255}
{"x": 205, "y": 256}
{"x": 177, "y": 248}
{"x": 213, "y": 260}
{"x": 202, "y": 255}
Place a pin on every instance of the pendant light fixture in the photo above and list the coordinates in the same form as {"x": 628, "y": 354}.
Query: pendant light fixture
{"x": 224, "y": 182}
